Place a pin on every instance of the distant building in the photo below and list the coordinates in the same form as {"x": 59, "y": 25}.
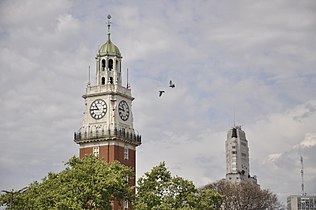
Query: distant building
{"x": 237, "y": 156}
{"x": 301, "y": 202}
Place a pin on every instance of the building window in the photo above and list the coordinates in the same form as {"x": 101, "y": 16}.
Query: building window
{"x": 234, "y": 152}
{"x": 103, "y": 81}
{"x": 125, "y": 204}
{"x": 103, "y": 64}
{"x": 96, "y": 151}
{"x": 110, "y": 64}
{"x": 125, "y": 152}
{"x": 111, "y": 80}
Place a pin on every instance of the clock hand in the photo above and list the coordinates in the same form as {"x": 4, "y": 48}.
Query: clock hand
{"x": 95, "y": 107}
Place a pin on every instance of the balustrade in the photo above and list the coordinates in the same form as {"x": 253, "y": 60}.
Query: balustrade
{"x": 101, "y": 133}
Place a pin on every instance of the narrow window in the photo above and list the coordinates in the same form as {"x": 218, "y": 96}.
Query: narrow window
{"x": 111, "y": 80}
{"x": 103, "y": 81}
{"x": 103, "y": 64}
{"x": 125, "y": 152}
{"x": 125, "y": 204}
{"x": 96, "y": 151}
{"x": 116, "y": 64}
{"x": 110, "y": 64}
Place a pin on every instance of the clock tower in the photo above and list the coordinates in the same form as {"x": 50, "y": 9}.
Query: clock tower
{"x": 107, "y": 131}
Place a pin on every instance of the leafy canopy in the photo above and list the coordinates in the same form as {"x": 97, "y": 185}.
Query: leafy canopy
{"x": 89, "y": 183}
{"x": 158, "y": 189}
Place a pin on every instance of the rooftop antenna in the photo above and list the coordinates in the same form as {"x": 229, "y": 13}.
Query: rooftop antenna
{"x": 302, "y": 175}
{"x": 234, "y": 118}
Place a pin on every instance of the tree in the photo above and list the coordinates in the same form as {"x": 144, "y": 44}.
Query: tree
{"x": 158, "y": 189}
{"x": 244, "y": 195}
{"x": 89, "y": 183}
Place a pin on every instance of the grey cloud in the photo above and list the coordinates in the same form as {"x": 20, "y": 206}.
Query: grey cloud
{"x": 256, "y": 60}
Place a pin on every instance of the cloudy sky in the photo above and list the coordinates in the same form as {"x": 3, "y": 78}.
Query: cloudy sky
{"x": 255, "y": 60}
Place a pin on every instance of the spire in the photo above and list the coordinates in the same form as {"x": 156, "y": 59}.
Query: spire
{"x": 109, "y": 27}
{"x": 108, "y": 48}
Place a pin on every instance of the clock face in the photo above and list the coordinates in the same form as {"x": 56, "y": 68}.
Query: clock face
{"x": 98, "y": 109}
{"x": 123, "y": 110}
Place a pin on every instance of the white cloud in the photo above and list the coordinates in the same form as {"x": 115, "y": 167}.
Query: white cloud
{"x": 309, "y": 140}
{"x": 273, "y": 157}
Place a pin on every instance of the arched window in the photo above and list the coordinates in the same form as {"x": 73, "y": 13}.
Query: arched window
{"x": 110, "y": 64}
{"x": 103, "y": 81}
{"x": 116, "y": 64}
{"x": 103, "y": 64}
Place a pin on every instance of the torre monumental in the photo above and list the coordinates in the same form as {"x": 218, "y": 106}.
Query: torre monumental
{"x": 107, "y": 131}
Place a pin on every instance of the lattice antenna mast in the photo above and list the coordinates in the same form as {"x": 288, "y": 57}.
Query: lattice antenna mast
{"x": 302, "y": 175}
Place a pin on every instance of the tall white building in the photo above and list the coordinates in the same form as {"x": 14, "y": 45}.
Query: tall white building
{"x": 237, "y": 156}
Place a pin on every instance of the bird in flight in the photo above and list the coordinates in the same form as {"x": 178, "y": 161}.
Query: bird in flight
{"x": 172, "y": 85}
{"x": 161, "y": 92}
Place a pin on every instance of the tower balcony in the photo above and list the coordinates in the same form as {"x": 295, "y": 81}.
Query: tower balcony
{"x": 97, "y": 135}
{"x": 107, "y": 89}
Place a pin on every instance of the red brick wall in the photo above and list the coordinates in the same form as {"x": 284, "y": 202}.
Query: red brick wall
{"x": 109, "y": 153}
{"x": 85, "y": 151}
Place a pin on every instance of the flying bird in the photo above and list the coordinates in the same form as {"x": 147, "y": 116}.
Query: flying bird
{"x": 172, "y": 85}
{"x": 161, "y": 92}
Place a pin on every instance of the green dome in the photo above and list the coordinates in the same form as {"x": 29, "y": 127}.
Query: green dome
{"x": 109, "y": 49}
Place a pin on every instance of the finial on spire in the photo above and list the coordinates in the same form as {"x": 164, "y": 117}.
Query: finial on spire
{"x": 109, "y": 26}
{"x": 109, "y": 23}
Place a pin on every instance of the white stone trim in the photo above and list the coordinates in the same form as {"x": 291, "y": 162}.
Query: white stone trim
{"x": 107, "y": 143}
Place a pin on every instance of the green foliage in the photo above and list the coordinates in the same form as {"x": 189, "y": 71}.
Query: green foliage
{"x": 92, "y": 184}
{"x": 84, "y": 184}
{"x": 159, "y": 190}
